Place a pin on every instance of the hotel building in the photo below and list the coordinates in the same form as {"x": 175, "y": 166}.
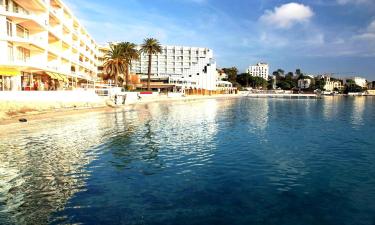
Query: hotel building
{"x": 187, "y": 67}
{"x": 43, "y": 44}
{"x": 180, "y": 66}
{"x": 259, "y": 70}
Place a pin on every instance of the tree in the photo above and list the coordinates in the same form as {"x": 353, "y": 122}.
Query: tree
{"x": 281, "y": 72}
{"x": 351, "y": 86}
{"x": 290, "y": 79}
{"x": 243, "y": 79}
{"x": 320, "y": 83}
{"x": 114, "y": 62}
{"x": 232, "y": 74}
{"x": 257, "y": 82}
{"x": 130, "y": 54}
{"x": 289, "y": 74}
{"x": 284, "y": 85}
{"x": 298, "y": 72}
{"x": 150, "y": 47}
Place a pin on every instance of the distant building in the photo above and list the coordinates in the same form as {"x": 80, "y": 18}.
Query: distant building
{"x": 332, "y": 84}
{"x": 362, "y": 82}
{"x": 259, "y": 70}
{"x": 222, "y": 75}
{"x": 304, "y": 83}
{"x": 371, "y": 85}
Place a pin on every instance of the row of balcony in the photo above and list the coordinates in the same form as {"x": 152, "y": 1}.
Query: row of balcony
{"x": 42, "y": 21}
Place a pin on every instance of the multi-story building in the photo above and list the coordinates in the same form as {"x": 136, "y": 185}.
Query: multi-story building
{"x": 41, "y": 41}
{"x": 189, "y": 67}
{"x": 102, "y": 51}
{"x": 259, "y": 70}
{"x": 185, "y": 67}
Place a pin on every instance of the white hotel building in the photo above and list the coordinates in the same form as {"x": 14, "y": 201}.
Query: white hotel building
{"x": 187, "y": 67}
{"x": 259, "y": 70}
{"x": 40, "y": 41}
{"x": 184, "y": 67}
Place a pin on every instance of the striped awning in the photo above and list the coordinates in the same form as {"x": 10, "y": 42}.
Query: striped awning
{"x": 58, "y": 76}
{"x": 9, "y": 72}
{"x": 63, "y": 77}
{"x": 54, "y": 75}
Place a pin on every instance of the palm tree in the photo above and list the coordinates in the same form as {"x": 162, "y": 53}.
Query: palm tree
{"x": 114, "y": 64}
{"x": 150, "y": 47}
{"x": 130, "y": 53}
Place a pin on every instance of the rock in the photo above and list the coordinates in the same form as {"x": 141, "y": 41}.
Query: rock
{"x": 23, "y": 120}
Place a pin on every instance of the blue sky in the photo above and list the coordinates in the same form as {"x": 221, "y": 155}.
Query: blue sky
{"x": 318, "y": 36}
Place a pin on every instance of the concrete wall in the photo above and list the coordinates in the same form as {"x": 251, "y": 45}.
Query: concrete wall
{"x": 18, "y": 102}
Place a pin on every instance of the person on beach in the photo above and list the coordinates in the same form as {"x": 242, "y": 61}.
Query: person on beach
{"x": 52, "y": 86}
{"x": 36, "y": 85}
{"x": 41, "y": 86}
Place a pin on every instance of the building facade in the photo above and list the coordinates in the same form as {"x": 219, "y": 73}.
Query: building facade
{"x": 362, "y": 82}
{"x": 43, "y": 45}
{"x": 333, "y": 84}
{"x": 187, "y": 67}
{"x": 304, "y": 83}
{"x": 259, "y": 70}
{"x": 181, "y": 66}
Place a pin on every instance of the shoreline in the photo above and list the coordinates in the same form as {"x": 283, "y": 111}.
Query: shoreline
{"x": 65, "y": 112}
{"x": 36, "y": 116}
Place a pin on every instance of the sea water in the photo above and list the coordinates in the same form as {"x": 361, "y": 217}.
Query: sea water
{"x": 228, "y": 161}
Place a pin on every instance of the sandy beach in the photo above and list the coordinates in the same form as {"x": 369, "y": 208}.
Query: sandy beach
{"x": 64, "y": 112}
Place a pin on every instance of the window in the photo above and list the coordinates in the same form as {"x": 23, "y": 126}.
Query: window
{"x": 22, "y": 32}
{"x": 10, "y": 51}
{"x": 23, "y": 54}
{"x": 9, "y": 28}
{"x": 6, "y": 5}
{"x": 15, "y": 7}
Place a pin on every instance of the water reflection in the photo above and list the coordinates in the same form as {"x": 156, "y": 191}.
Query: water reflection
{"x": 43, "y": 165}
{"x": 254, "y": 114}
{"x": 200, "y": 161}
{"x": 42, "y": 168}
{"x": 330, "y": 109}
{"x": 358, "y": 108}
{"x": 161, "y": 130}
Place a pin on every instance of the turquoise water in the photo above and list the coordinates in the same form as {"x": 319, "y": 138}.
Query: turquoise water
{"x": 232, "y": 161}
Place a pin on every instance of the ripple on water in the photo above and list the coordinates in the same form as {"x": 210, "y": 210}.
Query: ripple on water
{"x": 238, "y": 161}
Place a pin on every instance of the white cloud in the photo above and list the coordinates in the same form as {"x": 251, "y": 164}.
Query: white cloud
{"x": 287, "y": 15}
{"x": 369, "y": 35}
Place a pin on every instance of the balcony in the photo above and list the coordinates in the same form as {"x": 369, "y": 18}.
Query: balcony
{"x": 57, "y": 13}
{"x": 54, "y": 51}
{"x": 36, "y": 42}
{"x": 67, "y": 55}
{"x": 36, "y": 5}
{"x": 67, "y": 38}
{"x": 56, "y": 31}
{"x": 34, "y": 62}
{"x": 26, "y": 19}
